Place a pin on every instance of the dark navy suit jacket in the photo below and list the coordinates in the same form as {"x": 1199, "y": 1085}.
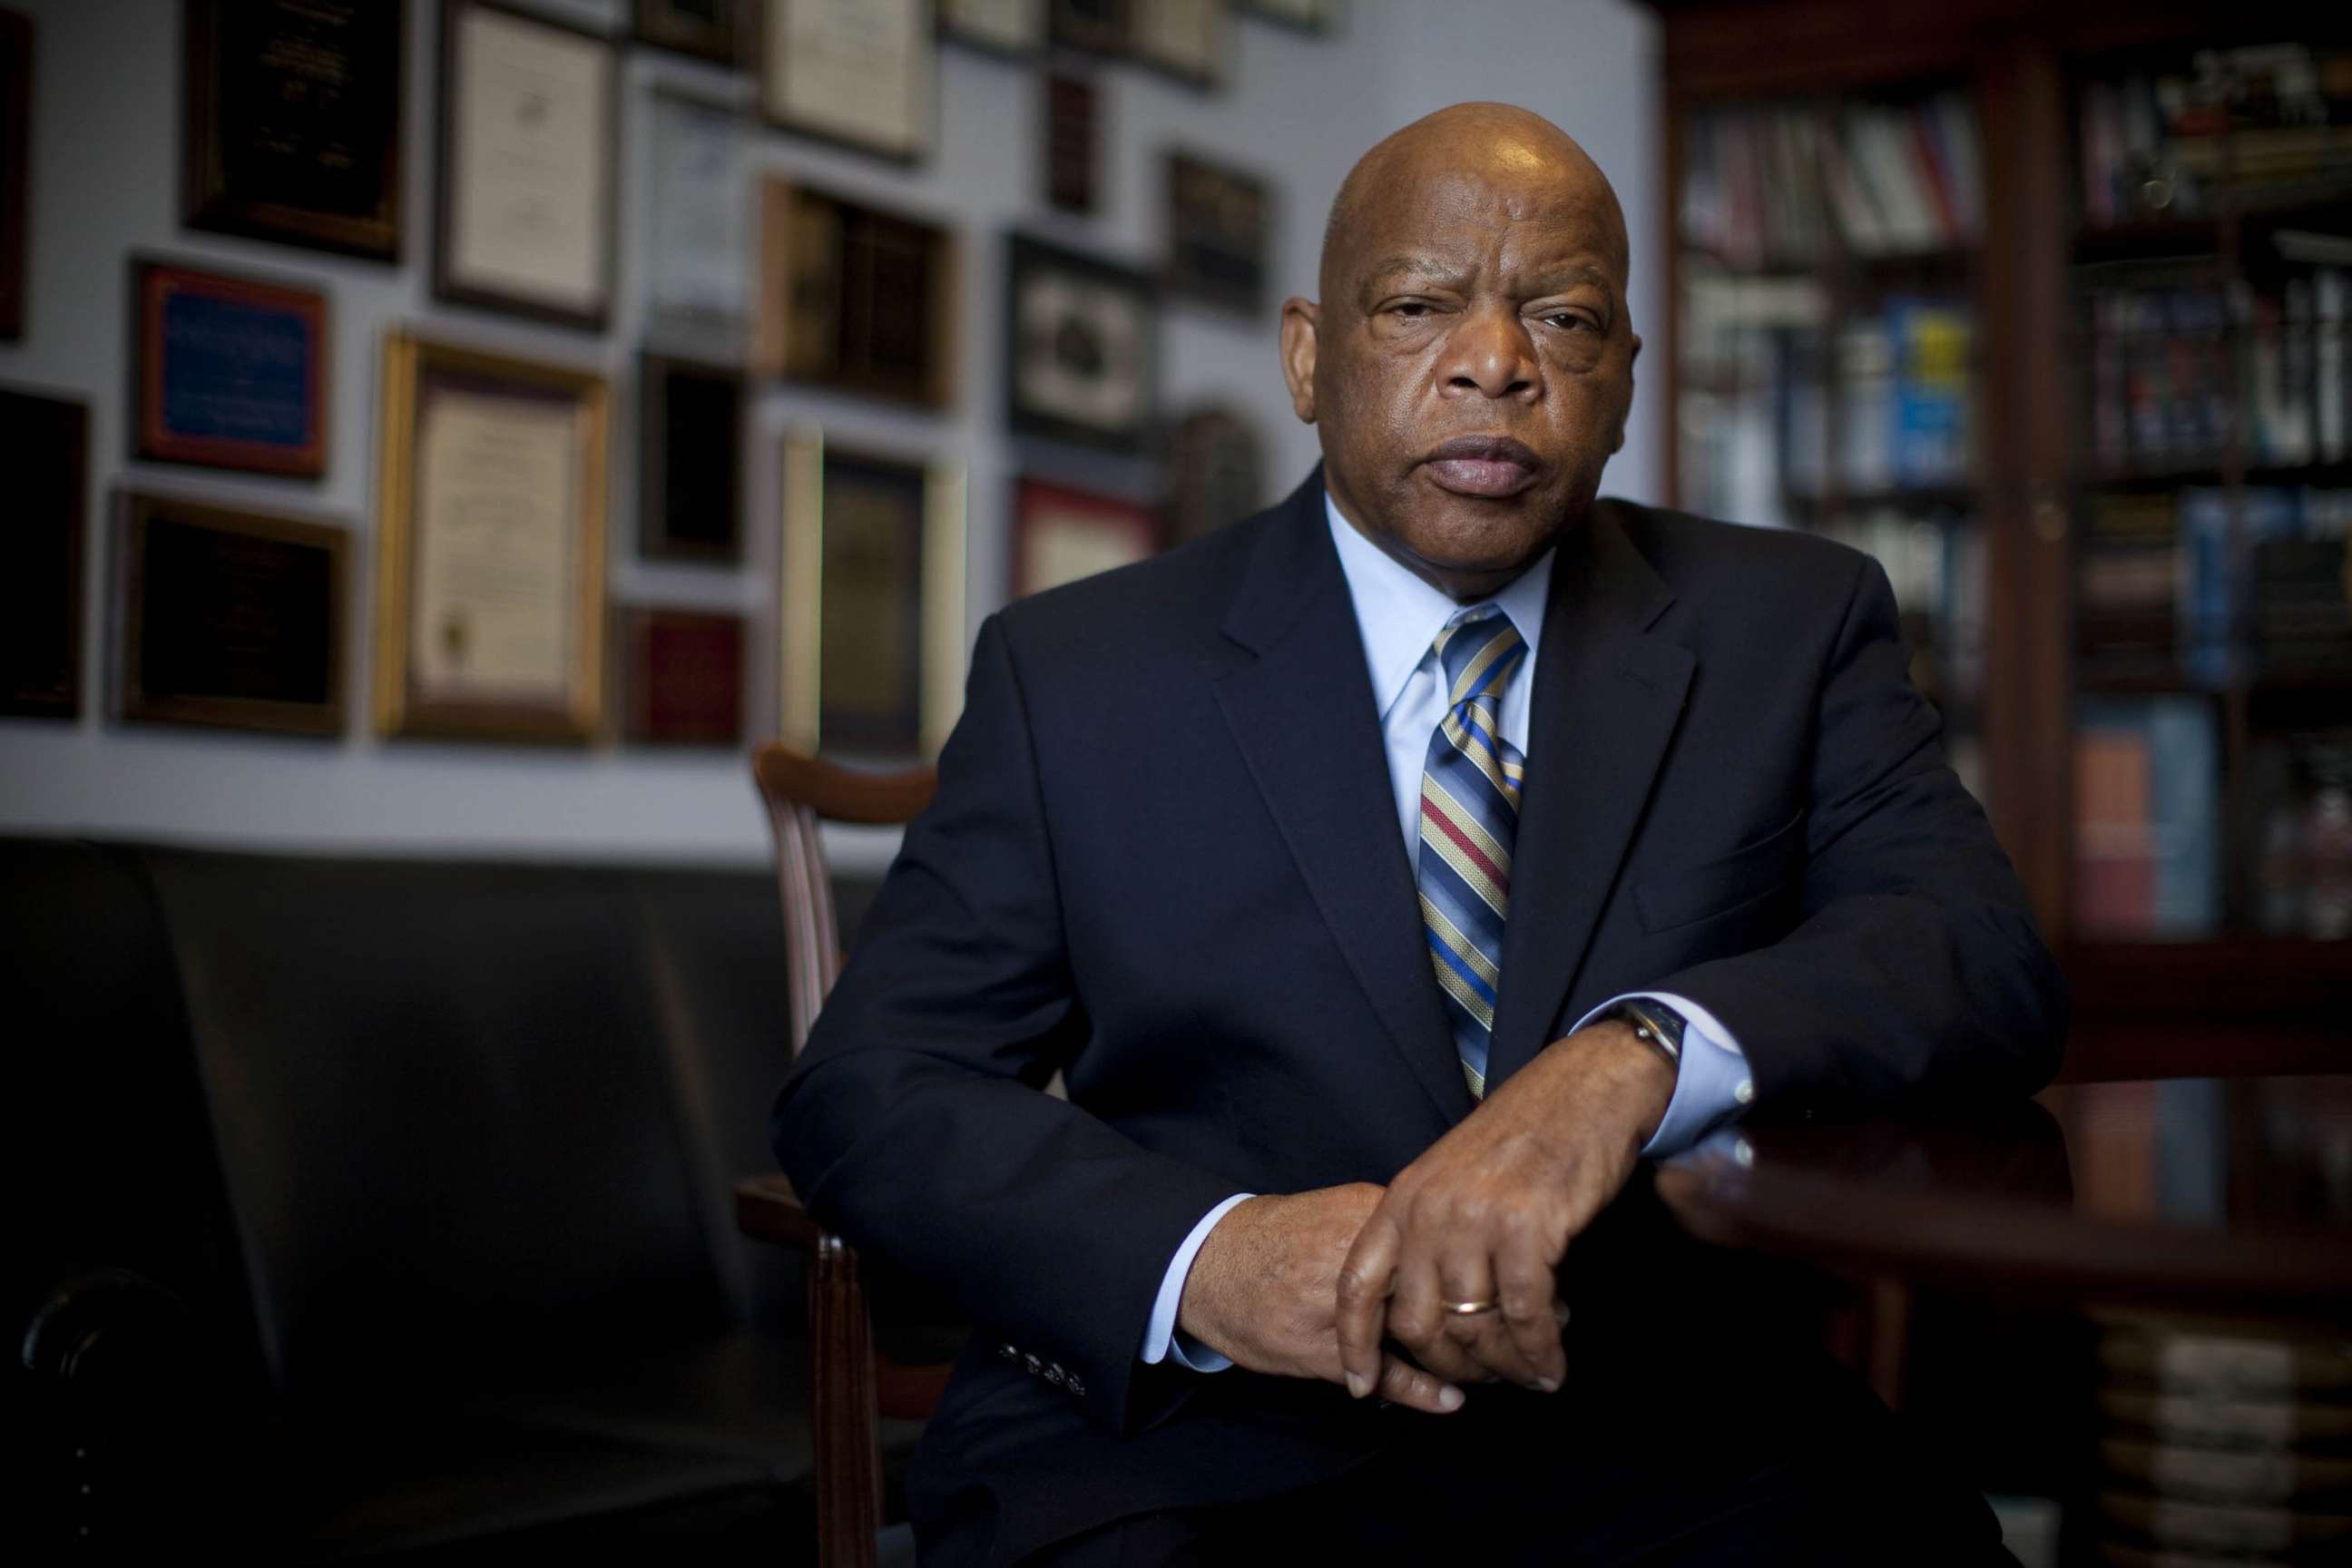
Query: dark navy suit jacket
{"x": 1163, "y": 858}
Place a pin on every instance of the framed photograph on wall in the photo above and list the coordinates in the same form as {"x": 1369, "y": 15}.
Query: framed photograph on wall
{"x": 1216, "y": 473}
{"x": 293, "y": 128}
{"x": 698, "y": 252}
{"x": 1185, "y": 38}
{"x": 713, "y": 30}
{"x": 870, "y": 601}
{"x": 227, "y": 616}
{"x": 1218, "y": 221}
{"x": 1060, "y": 534}
{"x": 682, "y": 678}
{"x": 528, "y": 118}
{"x": 690, "y": 460}
{"x": 1301, "y": 16}
{"x": 1098, "y": 25}
{"x": 15, "y": 166}
{"x": 854, "y": 298}
{"x": 490, "y": 529}
{"x": 44, "y": 452}
{"x": 864, "y": 73}
{"x": 230, "y": 372}
{"x": 1081, "y": 361}
{"x": 1012, "y": 28}
{"x": 1073, "y": 143}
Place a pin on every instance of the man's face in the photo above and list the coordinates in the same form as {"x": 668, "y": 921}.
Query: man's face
{"x": 1472, "y": 363}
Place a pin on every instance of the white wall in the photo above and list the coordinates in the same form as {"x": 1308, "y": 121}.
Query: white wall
{"x": 106, "y": 137}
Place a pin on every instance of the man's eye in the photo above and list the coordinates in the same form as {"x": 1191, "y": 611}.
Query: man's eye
{"x": 1568, "y": 322}
{"x": 1411, "y": 309}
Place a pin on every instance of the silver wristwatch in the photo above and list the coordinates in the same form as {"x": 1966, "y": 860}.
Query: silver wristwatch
{"x": 1655, "y": 1024}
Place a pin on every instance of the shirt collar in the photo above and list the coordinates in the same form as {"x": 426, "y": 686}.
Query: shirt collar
{"x": 1400, "y": 615}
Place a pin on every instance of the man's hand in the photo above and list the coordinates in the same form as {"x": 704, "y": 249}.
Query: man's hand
{"x": 1264, "y": 1286}
{"x": 1487, "y": 1212}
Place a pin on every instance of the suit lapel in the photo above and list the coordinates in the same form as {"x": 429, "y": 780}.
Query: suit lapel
{"x": 1607, "y": 698}
{"x": 1302, "y": 712}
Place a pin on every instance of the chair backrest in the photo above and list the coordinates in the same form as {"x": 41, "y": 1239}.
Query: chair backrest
{"x": 802, "y": 792}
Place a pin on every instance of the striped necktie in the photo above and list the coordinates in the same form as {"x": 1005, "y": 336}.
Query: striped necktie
{"x": 1469, "y": 815}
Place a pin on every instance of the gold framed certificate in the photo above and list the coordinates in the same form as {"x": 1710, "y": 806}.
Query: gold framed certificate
{"x": 527, "y": 160}
{"x": 1185, "y": 38}
{"x": 490, "y": 546}
{"x": 864, "y": 73}
{"x": 1015, "y": 28}
{"x": 870, "y": 601}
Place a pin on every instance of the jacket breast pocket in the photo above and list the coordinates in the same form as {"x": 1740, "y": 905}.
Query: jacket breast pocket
{"x": 1688, "y": 894}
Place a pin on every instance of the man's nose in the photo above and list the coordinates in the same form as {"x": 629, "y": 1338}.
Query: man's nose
{"x": 1490, "y": 354}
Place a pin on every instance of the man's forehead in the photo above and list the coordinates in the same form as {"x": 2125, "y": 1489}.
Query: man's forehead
{"x": 1461, "y": 219}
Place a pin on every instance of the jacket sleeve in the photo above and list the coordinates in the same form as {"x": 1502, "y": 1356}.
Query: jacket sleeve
{"x": 915, "y": 1124}
{"x": 1915, "y": 965}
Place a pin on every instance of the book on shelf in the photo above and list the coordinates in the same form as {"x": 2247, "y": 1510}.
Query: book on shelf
{"x": 2147, "y": 818}
{"x": 2267, "y": 124}
{"x": 2129, "y": 579}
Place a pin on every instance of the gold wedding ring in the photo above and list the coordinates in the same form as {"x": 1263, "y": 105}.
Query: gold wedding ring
{"x": 1470, "y": 1308}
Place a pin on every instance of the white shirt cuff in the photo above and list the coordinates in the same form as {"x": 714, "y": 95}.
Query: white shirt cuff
{"x": 1712, "y": 1083}
{"x": 1159, "y": 1336}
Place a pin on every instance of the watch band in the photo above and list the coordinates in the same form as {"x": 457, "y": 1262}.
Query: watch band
{"x": 1655, "y": 1024}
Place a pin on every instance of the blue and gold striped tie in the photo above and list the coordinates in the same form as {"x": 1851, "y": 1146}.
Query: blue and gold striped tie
{"x": 1469, "y": 815}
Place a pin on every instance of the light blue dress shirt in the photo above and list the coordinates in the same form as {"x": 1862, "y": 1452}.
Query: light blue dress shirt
{"x": 1400, "y": 616}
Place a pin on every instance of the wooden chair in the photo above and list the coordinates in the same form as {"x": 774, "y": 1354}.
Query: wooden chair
{"x": 852, "y": 1387}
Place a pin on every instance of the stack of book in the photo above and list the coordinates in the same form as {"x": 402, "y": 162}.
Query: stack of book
{"x": 2223, "y": 1444}
{"x": 1770, "y": 187}
{"x": 2267, "y": 125}
{"x": 2148, "y": 823}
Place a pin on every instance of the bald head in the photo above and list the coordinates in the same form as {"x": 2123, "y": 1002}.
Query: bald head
{"x": 1498, "y": 145}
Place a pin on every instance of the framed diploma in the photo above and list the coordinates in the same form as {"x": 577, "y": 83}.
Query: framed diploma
{"x": 713, "y": 29}
{"x": 864, "y": 73}
{"x": 1100, "y": 26}
{"x": 225, "y": 617}
{"x": 682, "y": 678}
{"x": 1185, "y": 38}
{"x": 44, "y": 450}
{"x": 854, "y": 298}
{"x": 1304, "y": 15}
{"x": 528, "y": 123}
{"x": 700, "y": 196}
{"x": 15, "y": 164}
{"x": 1081, "y": 353}
{"x": 689, "y": 454}
{"x": 490, "y": 546}
{"x": 1073, "y": 143}
{"x": 1216, "y": 473}
{"x": 1218, "y": 219}
{"x": 231, "y": 372}
{"x": 293, "y": 121}
{"x": 870, "y": 602}
{"x": 1060, "y": 535}
{"x": 1013, "y": 27}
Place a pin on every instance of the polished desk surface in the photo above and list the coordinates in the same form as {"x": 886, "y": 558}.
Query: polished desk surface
{"x": 2214, "y": 1191}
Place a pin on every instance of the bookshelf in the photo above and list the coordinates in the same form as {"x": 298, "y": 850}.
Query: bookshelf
{"x": 2050, "y": 309}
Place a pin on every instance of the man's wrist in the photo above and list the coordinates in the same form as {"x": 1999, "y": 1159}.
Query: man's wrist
{"x": 1631, "y": 1071}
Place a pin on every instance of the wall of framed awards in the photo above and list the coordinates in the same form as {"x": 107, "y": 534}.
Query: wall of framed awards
{"x": 478, "y": 435}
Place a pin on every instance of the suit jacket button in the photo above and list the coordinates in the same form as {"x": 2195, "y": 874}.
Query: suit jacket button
{"x": 1032, "y": 1364}
{"x": 1053, "y": 1375}
{"x": 1009, "y": 1352}
{"x": 1076, "y": 1387}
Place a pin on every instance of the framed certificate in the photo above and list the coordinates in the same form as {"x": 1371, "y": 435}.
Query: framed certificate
{"x": 1081, "y": 355}
{"x": 1216, "y": 473}
{"x": 699, "y": 265}
{"x": 1218, "y": 219}
{"x": 231, "y": 371}
{"x": 490, "y": 546}
{"x": 293, "y": 122}
{"x": 1073, "y": 143}
{"x": 682, "y": 678}
{"x": 712, "y": 29}
{"x": 1060, "y": 535}
{"x": 44, "y": 451}
{"x": 690, "y": 454}
{"x": 854, "y": 298}
{"x": 528, "y": 155}
{"x": 16, "y": 163}
{"x": 1302, "y": 16}
{"x": 864, "y": 73}
{"x": 1100, "y": 26}
{"x": 1012, "y": 28}
{"x": 1185, "y": 38}
{"x": 227, "y": 617}
{"x": 870, "y": 602}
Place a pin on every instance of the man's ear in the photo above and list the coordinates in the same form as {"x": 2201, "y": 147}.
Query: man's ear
{"x": 1299, "y": 318}
{"x": 1618, "y": 444}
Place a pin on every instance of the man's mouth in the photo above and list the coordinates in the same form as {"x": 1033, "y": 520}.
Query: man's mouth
{"x": 1488, "y": 466}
